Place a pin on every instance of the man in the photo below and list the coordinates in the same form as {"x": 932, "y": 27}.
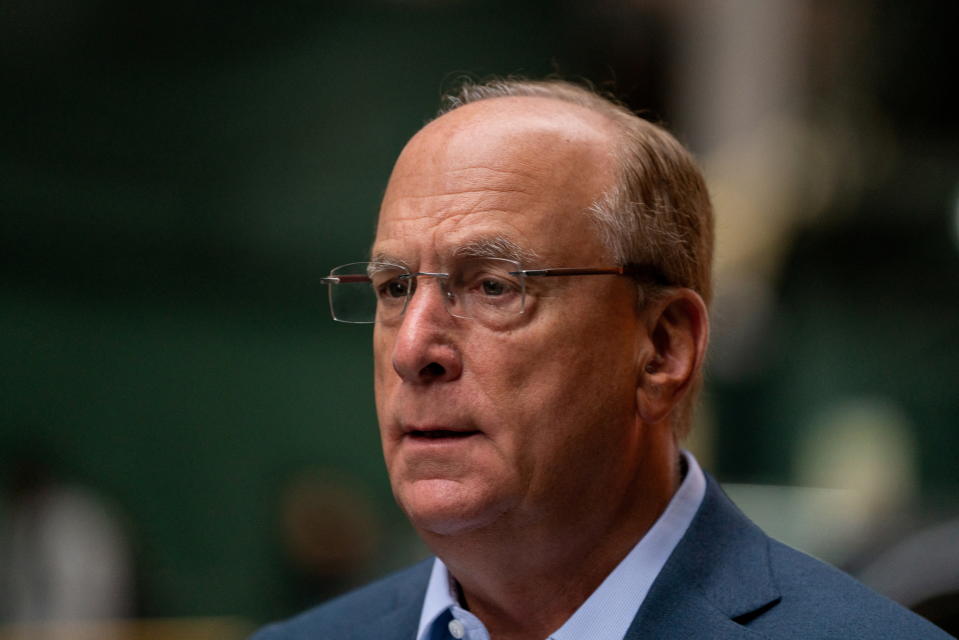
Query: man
{"x": 538, "y": 286}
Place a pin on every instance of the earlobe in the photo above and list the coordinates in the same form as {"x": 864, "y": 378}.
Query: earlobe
{"x": 677, "y": 335}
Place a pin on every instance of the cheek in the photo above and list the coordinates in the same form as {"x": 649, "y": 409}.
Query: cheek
{"x": 384, "y": 377}
{"x": 382, "y": 357}
{"x": 552, "y": 368}
{"x": 524, "y": 388}
{"x": 560, "y": 386}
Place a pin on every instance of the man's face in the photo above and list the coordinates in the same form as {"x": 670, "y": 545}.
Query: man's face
{"x": 506, "y": 426}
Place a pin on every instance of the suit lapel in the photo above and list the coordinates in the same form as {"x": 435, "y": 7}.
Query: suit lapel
{"x": 402, "y": 615}
{"x": 687, "y": 617}
{"x": 717, "y": 577}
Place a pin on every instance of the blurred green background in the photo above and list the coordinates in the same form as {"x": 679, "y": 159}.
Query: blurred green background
{"x": 177, "y": 176}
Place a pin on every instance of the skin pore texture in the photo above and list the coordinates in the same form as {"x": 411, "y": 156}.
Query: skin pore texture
{"x": 562, "y": 455}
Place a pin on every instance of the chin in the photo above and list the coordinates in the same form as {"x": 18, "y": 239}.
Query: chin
{"x": 447, "y": 507}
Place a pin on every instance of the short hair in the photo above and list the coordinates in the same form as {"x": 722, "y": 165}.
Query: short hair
{"x": 658, "y": 211}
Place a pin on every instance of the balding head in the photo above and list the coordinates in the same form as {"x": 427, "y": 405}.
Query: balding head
{"x": 509, "y": 137}
{"x": 507, "y": 154}
{"x": 656, "y": 209}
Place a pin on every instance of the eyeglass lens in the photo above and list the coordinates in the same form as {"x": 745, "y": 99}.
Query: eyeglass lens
{"x": 485, "y": 289}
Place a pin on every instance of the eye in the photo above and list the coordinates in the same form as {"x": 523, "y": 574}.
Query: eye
{"x": 394, "y": 288}
{"x": 492, "y": 287}
{"x": 493, "y": 290}
{"x": 487, "y": 285}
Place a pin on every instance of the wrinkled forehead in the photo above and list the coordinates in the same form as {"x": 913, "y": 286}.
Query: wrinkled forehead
{"x": 502, "y": 168}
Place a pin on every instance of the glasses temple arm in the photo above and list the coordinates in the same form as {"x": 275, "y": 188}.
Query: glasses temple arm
{"x": 647, "y": 272}
{"x": 571, "y": 271}
{"x": 345, "y": 279}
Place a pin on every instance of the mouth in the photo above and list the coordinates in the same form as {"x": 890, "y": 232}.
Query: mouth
{"x": 440, "y": 434}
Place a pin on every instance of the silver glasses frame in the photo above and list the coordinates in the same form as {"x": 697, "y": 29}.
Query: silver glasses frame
{"x": 645, "y": 272}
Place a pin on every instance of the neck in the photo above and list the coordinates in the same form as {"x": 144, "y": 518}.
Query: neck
{"x": 525, "y": 577}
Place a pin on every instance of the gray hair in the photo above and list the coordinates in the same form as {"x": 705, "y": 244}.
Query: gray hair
{"x": 657, "y": 213}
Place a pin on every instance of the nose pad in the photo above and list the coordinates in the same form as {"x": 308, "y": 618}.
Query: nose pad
{"x": 449, "y": 298}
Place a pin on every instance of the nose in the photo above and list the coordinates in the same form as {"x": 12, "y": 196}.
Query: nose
{"x": 424, "y": 349}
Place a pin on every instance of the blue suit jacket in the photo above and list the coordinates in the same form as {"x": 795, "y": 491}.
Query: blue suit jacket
{"x": 726, "y": 579}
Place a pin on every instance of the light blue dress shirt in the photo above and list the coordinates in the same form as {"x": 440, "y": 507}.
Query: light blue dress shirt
{"x": 608, "y": 612}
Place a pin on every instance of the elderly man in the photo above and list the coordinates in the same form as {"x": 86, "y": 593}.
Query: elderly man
{"x": 538, "y": 288}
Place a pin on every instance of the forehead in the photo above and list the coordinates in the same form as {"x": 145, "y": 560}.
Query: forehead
{"x": 518, "y": 169}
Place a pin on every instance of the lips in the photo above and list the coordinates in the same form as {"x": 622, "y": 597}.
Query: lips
{"x": 439, "y": 433}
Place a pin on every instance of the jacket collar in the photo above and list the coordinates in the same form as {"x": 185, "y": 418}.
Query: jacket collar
{"x": 717, "y": 577}
{"x": 392, "y": 610}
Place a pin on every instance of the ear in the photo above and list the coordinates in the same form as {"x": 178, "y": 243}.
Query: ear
{"x": 677, "y": 332}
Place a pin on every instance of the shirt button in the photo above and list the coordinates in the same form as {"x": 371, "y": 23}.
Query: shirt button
{"x": 457, "y": 630}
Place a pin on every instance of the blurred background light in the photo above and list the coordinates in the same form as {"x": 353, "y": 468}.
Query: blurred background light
{"x": 178, "y": 176}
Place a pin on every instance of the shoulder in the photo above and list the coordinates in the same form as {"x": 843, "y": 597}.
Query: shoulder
{"x": 818, "y": 600}
{"x": 382, "y": 609}
{"x": 725, "y": 564}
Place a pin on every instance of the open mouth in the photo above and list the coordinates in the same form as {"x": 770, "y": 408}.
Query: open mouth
{"x": 440, "y": 434}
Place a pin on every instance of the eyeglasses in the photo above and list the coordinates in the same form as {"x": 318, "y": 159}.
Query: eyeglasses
{"x": 489, "y": 290}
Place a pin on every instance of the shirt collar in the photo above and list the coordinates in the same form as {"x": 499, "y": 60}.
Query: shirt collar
{"x": 609, "y": 610}
{"x": 440, "y": 597}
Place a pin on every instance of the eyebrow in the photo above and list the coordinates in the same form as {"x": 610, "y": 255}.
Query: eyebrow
{"x": 487, "y": 247}
{"x": 387, "y": 258}
{"x": 496, "y": 247}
